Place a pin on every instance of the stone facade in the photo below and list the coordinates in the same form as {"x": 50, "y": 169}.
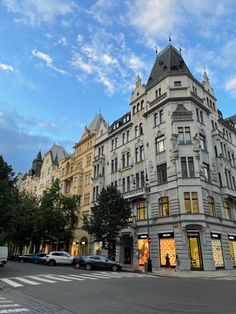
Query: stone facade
{"x": 173, "y": 158}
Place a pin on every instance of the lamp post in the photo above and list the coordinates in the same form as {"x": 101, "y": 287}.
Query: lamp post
{"x": 149, "y": 239}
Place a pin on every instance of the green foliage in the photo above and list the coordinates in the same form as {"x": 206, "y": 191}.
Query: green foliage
{"x": 108, "y": 217}
{"x": 57, "y": 215}
{"x": 8, "y": 198}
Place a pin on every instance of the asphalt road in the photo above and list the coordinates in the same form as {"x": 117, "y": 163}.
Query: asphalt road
{"x": 96, "y": 292}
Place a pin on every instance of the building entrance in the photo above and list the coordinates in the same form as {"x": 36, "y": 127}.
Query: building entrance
{"x": 195, "y": 251}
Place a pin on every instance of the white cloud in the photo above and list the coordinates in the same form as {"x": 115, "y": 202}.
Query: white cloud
{"x": 43, "y": 56}
{"x": 62, "y": 41}
{"x": 6, "y": 67}
{"x": 35, "y": 12}
{"x": 49, "y": 62}
{"x": 230, "y": 86}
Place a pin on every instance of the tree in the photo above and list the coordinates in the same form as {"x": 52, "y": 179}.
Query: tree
{"x": 57, "y": 216}
{"x": 8, "y": 198}
{"x": 110, "y": 214}
{"x": 23, "y": 220}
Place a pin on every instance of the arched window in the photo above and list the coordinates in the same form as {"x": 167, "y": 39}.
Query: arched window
{"x": 134, "y": 109}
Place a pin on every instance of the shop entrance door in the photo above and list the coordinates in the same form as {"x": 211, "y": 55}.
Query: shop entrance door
{"x": 195, "y": 251}
{"x": 232, "y": 247}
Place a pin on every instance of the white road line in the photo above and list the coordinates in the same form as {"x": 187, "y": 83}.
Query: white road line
{"x": 30, "y": 282}
{"x": 96, "y": 276}
{"x": 109, "y": 275}
{"x": 11, "y": 282}
{"x": 88, "y": 277}
{"x": 56, "y": 277}
{"x": 75, "y": 277}
{"x": 13, "y": 311}
{"x": 8, "y": 305}
{"x": 41, "y": 279}
{"x": 6, "y": 301}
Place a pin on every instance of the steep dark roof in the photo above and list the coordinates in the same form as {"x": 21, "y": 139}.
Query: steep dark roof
{"x": 96, "y": 123}
{"x": 168, "y": 62}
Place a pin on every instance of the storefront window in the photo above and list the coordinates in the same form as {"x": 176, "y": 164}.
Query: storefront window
{"x": 217, "y": 250}
{"x": 167, "y": 246}
{"x": 143, "y": 249}
{"x": 232, "y": 247}
{"x": 141, "y": 211}
{"x": 164, "y": 206}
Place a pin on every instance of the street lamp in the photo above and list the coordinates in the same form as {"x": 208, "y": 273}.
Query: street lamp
{"x": 149, "y": 239}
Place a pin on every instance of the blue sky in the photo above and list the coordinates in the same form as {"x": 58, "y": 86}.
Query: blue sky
{"x": 61, "y": 61}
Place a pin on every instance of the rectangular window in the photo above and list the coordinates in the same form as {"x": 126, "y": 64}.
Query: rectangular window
{"x": 127, "y": 136}
{"x": 136, "y": 131}
{"x": 184, "y": 135}
{"x": 177, "y": 83}
{"x": 140, "y": 129}
{"x": 123, "y": 138}
{"x": 187, "y": 167}
{"x": 211, "y": 206}
{"x": 227, "y": 209}
{"x": 128, "y": 183}
{"x": 191, "y": 202}
{"x": 155, "y": 119}
{"x": 123, "y": 161}
{"x": 142, "y": 178}
{"x": 164, "y": 206}
{"x": 160, "y": 144}
{"x": 161, "y": 174}
{"x": 123, "y": 185}
{"x": 203, "y": 142}
{"x": 206, "y": 169}
{"x": 161, "y": 116}
{"x": 141, "y": 150}
{"x": 137, "y": 154}
{"x": 141, "y": 215}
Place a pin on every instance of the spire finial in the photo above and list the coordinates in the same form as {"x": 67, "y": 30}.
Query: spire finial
{"x": 180, "y": 48}
{"x": 156, "y": 50}
{"x": 170, "y": 38}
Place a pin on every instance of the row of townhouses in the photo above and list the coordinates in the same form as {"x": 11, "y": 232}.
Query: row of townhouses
{"x": 172, "y": 156}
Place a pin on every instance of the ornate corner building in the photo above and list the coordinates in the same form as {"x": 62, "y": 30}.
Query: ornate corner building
{"x": 173, "y": 157}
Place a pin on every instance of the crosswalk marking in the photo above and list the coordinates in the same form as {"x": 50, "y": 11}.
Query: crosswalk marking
{"x": 53, "y": 278}
{"x": 76, "y": 277}
{"x": 30, "y": 282}
{"x": 11, "y": 283}
{"x": 13, "y": 311}
{"x": 41, "y": 279}
{"x": 57, "y": 277}
{"x": 8, "y": 305}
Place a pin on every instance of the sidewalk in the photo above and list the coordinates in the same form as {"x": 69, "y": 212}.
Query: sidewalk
{"x": 163, "y": 272}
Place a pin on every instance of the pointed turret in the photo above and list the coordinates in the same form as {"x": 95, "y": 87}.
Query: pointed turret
{"x": 168, "y": 62}
{"x": 206, "y": 83}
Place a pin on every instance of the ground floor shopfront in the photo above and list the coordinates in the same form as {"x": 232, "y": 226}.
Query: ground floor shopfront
{"x": 198, "y": 246}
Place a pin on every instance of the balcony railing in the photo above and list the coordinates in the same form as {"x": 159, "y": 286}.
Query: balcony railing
{"x": 197, "y": 97}
{"x": 157, "y": 100}
{"x": 139, "y": 192}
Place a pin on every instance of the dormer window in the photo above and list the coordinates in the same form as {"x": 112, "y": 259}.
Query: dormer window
{"x": 177, "y": 83}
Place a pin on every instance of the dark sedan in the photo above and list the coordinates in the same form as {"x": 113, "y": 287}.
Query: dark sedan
{"x": 96, "y": 262}
{"x": 26, "y": 258}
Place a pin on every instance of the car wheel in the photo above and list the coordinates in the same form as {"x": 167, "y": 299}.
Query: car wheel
{"x": 88, "y": 266}
{"x": 77, "y": 265}
{"x": 114, "y": 268}
{"x": 52, "y": 262}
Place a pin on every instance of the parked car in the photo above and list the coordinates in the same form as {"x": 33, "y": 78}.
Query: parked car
{"x": 97, "y": 262}
{"x": 58, "y": 257}
{"x": 39, "y": 258}
{"x": 77, "y": 261}
{"x": 26, "y": 258}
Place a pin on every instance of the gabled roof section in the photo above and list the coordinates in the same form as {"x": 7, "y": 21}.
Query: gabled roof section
{"x": 168, "y": 62}
{"x": 96, "y": 122}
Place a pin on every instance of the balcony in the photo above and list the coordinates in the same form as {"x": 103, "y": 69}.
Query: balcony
{"x": 158, "y": 100}
{"x": 228, "y": 193}
{"x": 196, "y": 97}
{"x": 136, "y": 193}
{"x": 99, "y": 157}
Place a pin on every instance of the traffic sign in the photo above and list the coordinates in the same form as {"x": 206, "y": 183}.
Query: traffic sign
{"x": 149, "y": 239}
